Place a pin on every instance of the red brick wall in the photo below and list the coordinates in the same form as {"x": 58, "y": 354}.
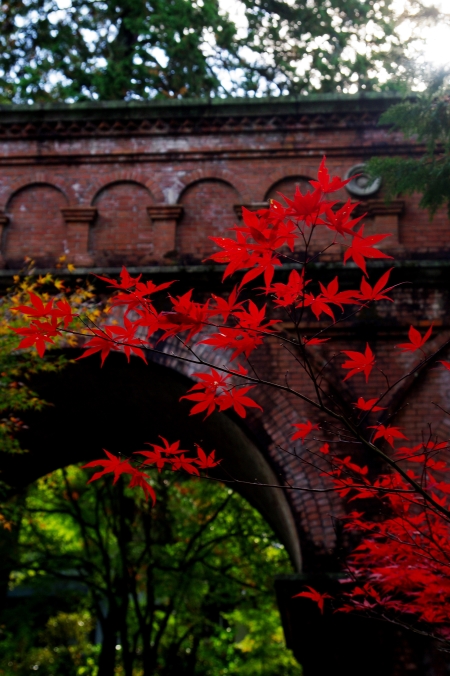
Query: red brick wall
{"x": 208, "y": 212}
{"x": 36, "y": 227}
{"x": 122, "y": 229}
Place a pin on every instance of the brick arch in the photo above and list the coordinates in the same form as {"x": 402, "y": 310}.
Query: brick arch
{"x": 414, "y": 403}
{"x": 208, "y": 212}
{"x": 145, "y": 405}
{"x": 37, "y": 178}
{"x": 214, "y": 174}
{"x": 122, "y": 230}
{"x": 311, "y": 511}
{"x": 135, "y": 177}
{"x": 286, "y": 184}
{"x": 36, "y": 226}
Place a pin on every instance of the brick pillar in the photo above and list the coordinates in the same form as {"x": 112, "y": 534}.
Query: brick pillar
{"x": 385, "y": 219}
{"x": 164, "y": 219}
{"x": 4, "y": 220}
{"x": 78, "y": 221}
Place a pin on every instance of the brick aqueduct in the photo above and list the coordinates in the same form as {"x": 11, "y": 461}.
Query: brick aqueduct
{"x": 146, "y": 185}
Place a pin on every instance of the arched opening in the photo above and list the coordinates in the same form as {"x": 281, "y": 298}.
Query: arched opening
{"x": 122, "y": 229}
{"x": 36, "y": 229}
{"x": 287, "y": 187}
{"x": 120, "y": 407}
{"x": 208, "y": 212}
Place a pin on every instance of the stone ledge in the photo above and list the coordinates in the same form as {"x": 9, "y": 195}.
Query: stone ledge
{"x": 165, "y": 212}
{"x": 79, "y": 214}
{"x": 431, "y": 265}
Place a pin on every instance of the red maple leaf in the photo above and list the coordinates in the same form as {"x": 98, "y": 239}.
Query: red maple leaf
{"x": 37, "y": 335}
{"x": 315, "y": 596}
{"x": 213, "y": 384}
{"x": 37, "y": 308}
{"x": 323, "y": 182}
{"x": 226, "y": 307}
{"x": 156, "y": 457}
{"x": 304, "y": 429}
{"x": 126, "y": 341}
{"x": 63, "y": 311}
{"x": 306, "y": 207}
{"x": 102, "y": 342}
{"x": 112, "y": 464}
{"x": 378, "y": 291}
{"x": 416, "y": 340}
{"x": 126, "y": 280}
{"x": 139, "y": 479}
{"x": 368, "y": 405}
{"x": 206, "y": 461}
{"x": 318, "y": 305}
{"x": 290, "y": 293}
{"x": 237, "y": 399}
{"x": 332, "y": 294}
{"x": 180, "y": 462}
{"x": 314, "y": 341}
{"x": 388, "y": 433}
{"x": 340, "y": 220}
{"x": 359, "y": 362}
{"x": 363, "y": 247}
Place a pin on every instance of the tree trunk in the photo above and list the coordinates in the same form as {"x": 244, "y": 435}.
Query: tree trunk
{"x": 107, "y": 659}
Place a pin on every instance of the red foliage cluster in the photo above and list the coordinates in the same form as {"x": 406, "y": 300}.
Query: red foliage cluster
{"x": 402, "y": 563}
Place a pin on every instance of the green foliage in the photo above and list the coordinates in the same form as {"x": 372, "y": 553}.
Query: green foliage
{"x": 133, "y": 49}
{"x": 309, "y": 46}
{"x": 62, "y": 646}
{"x": 183, "y": 588}
{"x": 424, "y": 118}
{"x": 18, "y": 367}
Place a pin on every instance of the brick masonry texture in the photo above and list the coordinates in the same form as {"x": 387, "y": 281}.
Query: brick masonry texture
{"x": 147, "y": 184}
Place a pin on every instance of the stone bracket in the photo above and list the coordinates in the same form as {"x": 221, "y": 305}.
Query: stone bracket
{"x": 79, "y": 214}
{"x": 164, "y": 218}
{"x": 78, "y": 221}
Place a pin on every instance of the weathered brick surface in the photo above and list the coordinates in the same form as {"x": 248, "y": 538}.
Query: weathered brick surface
{"x": 156, "y": 181}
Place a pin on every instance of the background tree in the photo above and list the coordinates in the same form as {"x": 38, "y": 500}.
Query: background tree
{"x": 184, "y": 588}
{"x": 77, "y": 50}
{"x": 17, "y": 367}
{"x": 424, "y": 117}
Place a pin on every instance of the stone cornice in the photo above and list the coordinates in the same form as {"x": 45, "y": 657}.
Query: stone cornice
{"x": 50, "y": 158}
{"x": 186, "y": 117}
{"x": 426, "y": 267}
{"x": 165, "y": 212}
{"x": 79, "y": 214}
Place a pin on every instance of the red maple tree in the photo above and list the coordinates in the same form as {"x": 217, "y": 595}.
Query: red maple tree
{"x": 401, "y": 566}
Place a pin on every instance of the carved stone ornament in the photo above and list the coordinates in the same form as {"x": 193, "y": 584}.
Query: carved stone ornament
{"x": 363, "y": 185}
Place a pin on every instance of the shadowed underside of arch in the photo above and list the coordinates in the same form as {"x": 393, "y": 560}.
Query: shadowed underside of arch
{"x": 121, "y": 406}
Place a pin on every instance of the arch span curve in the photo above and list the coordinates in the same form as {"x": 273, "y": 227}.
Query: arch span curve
{"x": 120, "y": 407}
